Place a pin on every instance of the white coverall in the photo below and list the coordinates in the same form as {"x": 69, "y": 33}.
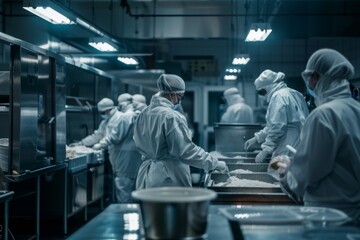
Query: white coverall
{"x": 163, "y": 138}
{"x": 326, "y": 169}
{"x": 285, "y": 116}
{"x": 237, "y": 111}
{"x": 116, "y": 135}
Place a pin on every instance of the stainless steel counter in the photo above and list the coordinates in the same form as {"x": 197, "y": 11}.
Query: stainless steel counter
{"x": 122, "y": 221}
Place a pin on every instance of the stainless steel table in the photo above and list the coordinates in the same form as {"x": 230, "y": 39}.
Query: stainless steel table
{"x": 37, "y": 173}
{"x": 122, "y": 221}
{"x": 5, "y": 197}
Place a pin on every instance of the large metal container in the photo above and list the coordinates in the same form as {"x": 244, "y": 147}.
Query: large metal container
{"x": 231, "y": 137}
{"x": 215, "y": 178}
{"x": 174, "y": 212}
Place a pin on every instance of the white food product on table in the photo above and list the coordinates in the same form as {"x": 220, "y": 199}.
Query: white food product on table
{"x": 236, "y": 182}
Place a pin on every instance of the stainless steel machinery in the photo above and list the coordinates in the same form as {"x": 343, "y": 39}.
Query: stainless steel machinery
{"x": 231, "y": 137}
{"x": 35, "y": 110}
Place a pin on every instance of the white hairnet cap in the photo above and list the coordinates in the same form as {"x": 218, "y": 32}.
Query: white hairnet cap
{"x": 139, "y": 98}
{"x": 125, "y": 97}
{"x": 232, "y": 96}
{"x": 231, "y": 91}
{"x": 331, "y": 63}
{"x": 268, "y": 77}
{"x": 105, "y": 104}
{"x": 170, "y": 83}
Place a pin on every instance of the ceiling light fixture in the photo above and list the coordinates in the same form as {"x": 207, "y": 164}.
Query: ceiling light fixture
{"x": 102, "y": 45}
{"x": 258, "y": 32}
{"x": 233, "y": 70}
{"x": 230, "y": 77}
{"x": 128, "y": 60}
{"x": 49, "y": 11}
{"x": 241, "y": 59}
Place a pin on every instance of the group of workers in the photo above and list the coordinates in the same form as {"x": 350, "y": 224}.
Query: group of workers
{"x": 152, "y": 146}
{"x": 115, "y": 133}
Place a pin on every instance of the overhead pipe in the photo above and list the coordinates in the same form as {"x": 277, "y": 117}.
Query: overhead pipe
{"x": 243, "y": 15}
{"x": 124, "y": 4}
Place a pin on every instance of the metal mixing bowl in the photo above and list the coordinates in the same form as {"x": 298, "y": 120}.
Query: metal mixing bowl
{"x": 174, "y": 212}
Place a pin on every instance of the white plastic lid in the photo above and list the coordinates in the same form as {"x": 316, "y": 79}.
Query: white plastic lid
{"x": 321, "y": 214}
{"x": 174, "y": 194}
{"x": 261, "y": 215}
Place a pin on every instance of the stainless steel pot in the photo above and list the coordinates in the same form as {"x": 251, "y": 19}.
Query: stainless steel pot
{"x": 174, "y": 212}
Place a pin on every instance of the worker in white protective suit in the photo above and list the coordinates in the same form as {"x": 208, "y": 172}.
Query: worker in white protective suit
{"x": 107, "y": 112}
{"x": 163, "y": 138}
{"x": 285, "y": 116}
{"x": 125, "y": 102}
{"x": 128, "y": 160}
{"x": 325, "y": 170}
{"x": 115, "y": 134}
{"x": 237, "y": 111}
{"x": 139, "y": 102}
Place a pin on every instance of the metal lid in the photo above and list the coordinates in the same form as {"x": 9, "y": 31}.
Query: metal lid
{"x": 174, "y": 194}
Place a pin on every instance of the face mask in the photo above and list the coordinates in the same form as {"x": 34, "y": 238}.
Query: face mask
{"x": 177, "y": 107}
{"x": 104, "y": 116}
{"x": 311, "y": 92}
{"x": 306, "y": 75}
{"x": 262, "y": 92}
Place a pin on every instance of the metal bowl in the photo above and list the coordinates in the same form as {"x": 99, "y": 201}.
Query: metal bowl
{"x": 174, "y": 212}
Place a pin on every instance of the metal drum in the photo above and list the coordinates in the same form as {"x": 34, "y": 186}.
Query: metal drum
{"x": 231, "y": 137}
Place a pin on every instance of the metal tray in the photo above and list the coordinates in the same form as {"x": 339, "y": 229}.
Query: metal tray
{"x": 237, "y": 157}
{"x": 253, "y": 167}
{"x": 78, "y": 163}
{"x": 215, "y": 178}
{"x": 234, "y": 154}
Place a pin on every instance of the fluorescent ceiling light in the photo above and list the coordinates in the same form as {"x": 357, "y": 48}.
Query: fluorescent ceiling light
{"x": 233, "y": 70}
{"x": 258, "y": 32}
{"x": 230, "y": 77}
{"x": 49, "y": 10}
{"x": 241, "y": 59}
{"x": 90, "y": 60}
{"x": 128, "y": 60}
{"x": 102, "y": 45}
{"x": 50, "y": 15}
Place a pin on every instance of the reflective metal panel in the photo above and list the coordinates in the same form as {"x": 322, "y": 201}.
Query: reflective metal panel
{"x": 60, "y": 113}
{"x": 231, "y": 137}
{"x": 24, "y": 109}
{"x": 46, "y": 119}
{"x": 31, "y": 105}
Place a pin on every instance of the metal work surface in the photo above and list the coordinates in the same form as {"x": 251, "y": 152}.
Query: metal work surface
{"x": 36, "y": 172}
{"x": 122, "y": 221}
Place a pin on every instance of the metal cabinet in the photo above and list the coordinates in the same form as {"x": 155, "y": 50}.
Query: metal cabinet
{"x": 95, "y": 182}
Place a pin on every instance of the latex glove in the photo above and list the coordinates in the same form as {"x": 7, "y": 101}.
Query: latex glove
{"x": 281, "y": 164}
{"x": 97, "y": 146}
{"x": 221, "y": 166}
{"x": 76, "y": 144}
{"x": 260, "y": 158}
{"x": 250, "y": 143}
